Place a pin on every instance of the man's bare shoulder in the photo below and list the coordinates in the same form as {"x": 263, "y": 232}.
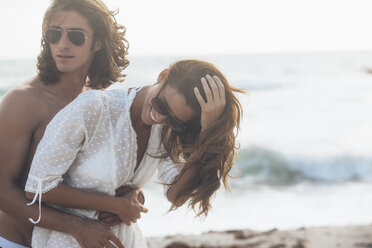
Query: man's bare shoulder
{"x": 24, "y": 102}
{"x": 29, "y": 89}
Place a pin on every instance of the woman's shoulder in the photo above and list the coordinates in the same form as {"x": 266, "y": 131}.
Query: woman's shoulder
{"x": 116, "y": 92}
{"x": 122, "y": 95}
{"x": 89, "y": 95}
{"x": 110, "y": 97}
{"x": 100, "y": 96}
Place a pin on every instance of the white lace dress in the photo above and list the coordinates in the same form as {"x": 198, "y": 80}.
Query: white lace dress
{"x": 91, "y": 145}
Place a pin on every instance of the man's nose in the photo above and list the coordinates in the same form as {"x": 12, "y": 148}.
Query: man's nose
{"x": 64, "y": 42}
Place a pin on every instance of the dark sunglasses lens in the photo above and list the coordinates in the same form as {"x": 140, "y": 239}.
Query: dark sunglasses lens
{"x": 76, "y": 37}
{"x": 173, "y": 124}
{"x": 53, "y": 35}
{"x": 159, "y": 107}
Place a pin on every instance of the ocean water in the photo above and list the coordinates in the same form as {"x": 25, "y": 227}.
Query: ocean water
{"x": 306, "y": 142}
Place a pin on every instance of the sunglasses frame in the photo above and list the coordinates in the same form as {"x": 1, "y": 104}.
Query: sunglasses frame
{"x": 63, "y": 31}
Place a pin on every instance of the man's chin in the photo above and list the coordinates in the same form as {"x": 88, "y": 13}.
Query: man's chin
{"x": 64, "y": 69}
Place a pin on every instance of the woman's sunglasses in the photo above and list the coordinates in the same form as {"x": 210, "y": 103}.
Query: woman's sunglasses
{"x": 76, "y": 37}
{"x": 172, "y": 122}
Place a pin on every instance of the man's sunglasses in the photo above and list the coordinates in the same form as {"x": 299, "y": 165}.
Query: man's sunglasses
{"x": 172, "y": 121}
{"x": 76, "y": 37}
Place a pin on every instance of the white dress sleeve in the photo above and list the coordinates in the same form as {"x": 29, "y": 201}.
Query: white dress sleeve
{"x": 167, "y": 173}
{"x": 66, "y": 134}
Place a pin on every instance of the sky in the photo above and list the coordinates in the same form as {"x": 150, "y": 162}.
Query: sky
{"x": 206, "y": 27}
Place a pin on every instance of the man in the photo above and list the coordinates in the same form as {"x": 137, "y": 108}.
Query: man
{"x": 82, "y": 47}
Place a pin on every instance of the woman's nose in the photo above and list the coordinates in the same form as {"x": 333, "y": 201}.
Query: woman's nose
{"x": 160, "y": 118}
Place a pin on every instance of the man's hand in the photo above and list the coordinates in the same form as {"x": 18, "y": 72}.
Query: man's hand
{"x": 94, "y": 234}
{"x": 110, "y": 219}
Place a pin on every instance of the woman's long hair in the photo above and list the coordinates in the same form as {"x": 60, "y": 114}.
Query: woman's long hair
{"x": 108, "y": 62}
{"x": 215, "y": 147}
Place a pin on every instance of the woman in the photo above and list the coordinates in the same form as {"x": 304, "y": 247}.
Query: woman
{"x": 181, "y": 126}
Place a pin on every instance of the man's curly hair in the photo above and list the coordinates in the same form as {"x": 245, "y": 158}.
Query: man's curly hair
{"x": 108, "y": 62}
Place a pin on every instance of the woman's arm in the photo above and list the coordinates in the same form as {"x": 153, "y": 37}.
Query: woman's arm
{"x": 127, "y": 207}
{"x": 181, "y": 183}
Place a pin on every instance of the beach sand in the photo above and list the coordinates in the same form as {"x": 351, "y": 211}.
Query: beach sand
{"x": 313, "y": 237}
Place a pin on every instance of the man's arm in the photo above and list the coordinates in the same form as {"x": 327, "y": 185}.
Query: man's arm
{"x": 19, "y": 117}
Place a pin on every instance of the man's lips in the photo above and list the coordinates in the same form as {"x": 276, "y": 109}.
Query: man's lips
{"x": 65, "y": 56}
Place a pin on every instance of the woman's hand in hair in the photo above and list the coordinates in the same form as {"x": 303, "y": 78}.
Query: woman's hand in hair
{"x": 216, "y": 101}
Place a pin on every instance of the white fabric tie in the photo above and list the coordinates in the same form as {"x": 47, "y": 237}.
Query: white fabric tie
{"x": 38, "y": 193}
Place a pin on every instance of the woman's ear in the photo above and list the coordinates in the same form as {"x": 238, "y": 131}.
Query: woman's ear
{"x": 163, "y": 75}
{"x": 97, "y": 45}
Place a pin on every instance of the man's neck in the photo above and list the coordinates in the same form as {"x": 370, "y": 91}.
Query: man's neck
{"x": 70, "y": 85}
